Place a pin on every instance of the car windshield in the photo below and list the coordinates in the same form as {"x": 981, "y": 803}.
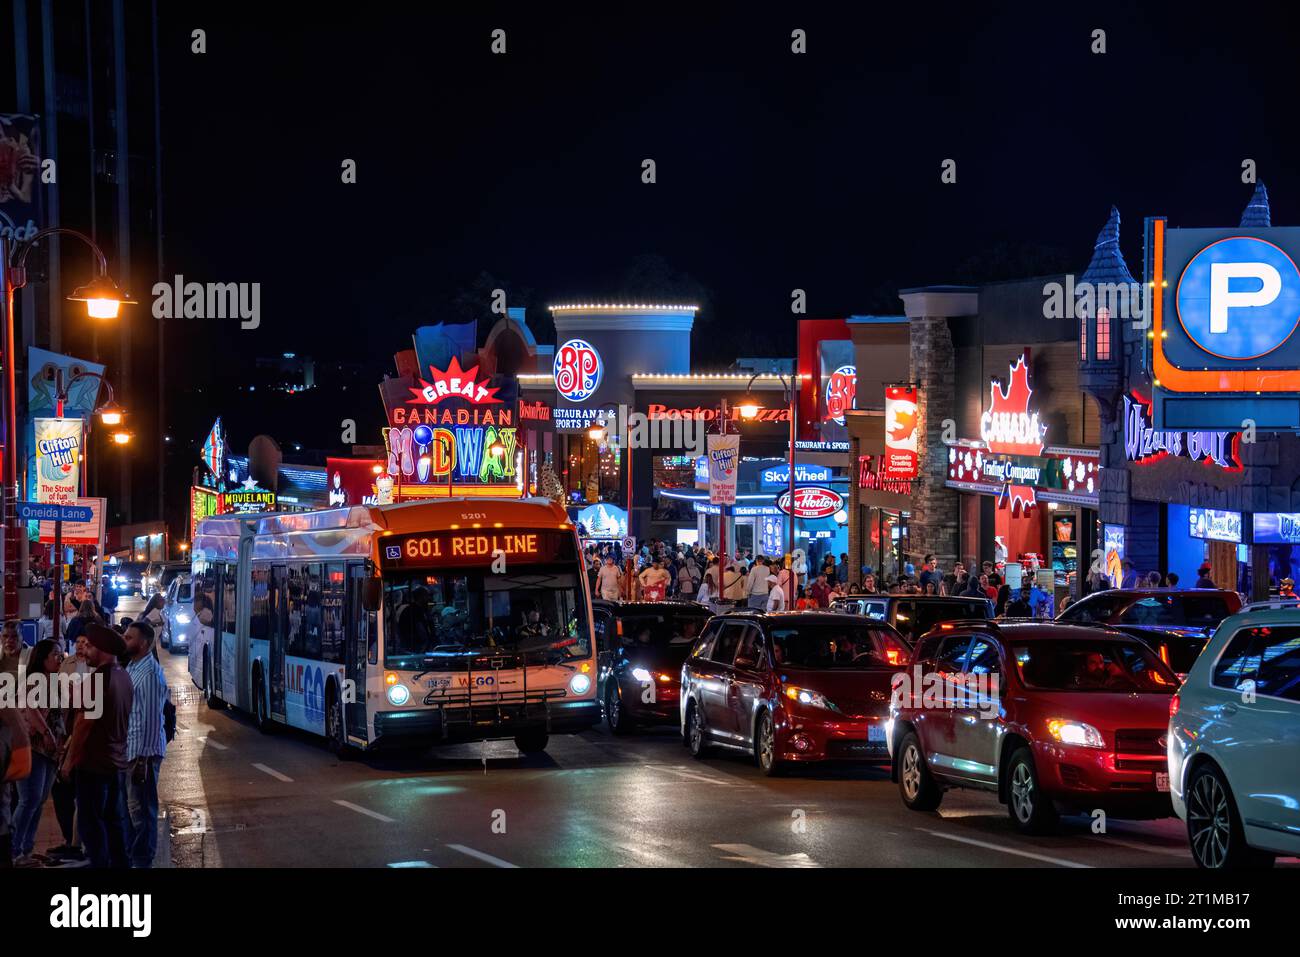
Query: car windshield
{"x": 667, "y": 631}
{"x": 826, "y": 645}
{"x": 184, "y": 591}
{"x": 1082, "y": 665}
{"x": 433, "y": 619}
{"x": 1177, "y": 610}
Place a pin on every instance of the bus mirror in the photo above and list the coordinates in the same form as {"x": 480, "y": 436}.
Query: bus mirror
{"x": 371, "y": 591}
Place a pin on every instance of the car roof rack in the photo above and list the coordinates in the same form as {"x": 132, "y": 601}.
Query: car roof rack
{"x": 1271, "y": 604}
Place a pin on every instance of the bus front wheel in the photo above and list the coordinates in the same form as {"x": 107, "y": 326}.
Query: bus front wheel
{"x": 532, "y": 742}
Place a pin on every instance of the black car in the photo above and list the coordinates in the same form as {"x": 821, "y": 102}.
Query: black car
{"x": 1175, "y": 623}
{"x": 642, "y": 645}
{"x": 914, "y": 615}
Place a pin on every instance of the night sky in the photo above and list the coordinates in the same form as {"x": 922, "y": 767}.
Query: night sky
{"x": 775, "y": 171}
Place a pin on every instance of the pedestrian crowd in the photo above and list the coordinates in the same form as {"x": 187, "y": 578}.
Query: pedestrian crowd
{"x": 94, "y": 755}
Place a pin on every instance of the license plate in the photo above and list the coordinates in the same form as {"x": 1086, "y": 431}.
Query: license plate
{"x": 1162, "y": 781}
{"x": 876, "y": 732}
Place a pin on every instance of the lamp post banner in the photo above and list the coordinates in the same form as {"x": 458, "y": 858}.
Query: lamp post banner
{"x": 724, "y": 464}
{"x": 58, "y": 451}
{"x": 20, "y": 171}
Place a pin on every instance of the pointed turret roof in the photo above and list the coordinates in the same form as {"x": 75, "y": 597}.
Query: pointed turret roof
{"x": 1256, "y": 214}
{"x": 1108, "y": 264}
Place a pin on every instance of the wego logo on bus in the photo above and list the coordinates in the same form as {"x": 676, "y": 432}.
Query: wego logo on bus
{"x": 577, "y": 370}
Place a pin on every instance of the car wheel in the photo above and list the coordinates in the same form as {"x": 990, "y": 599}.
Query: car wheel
{"x": 765, "y": 746}
{"x": 614, "y": 715}
{"x": 1031, "y": 810}
{"x": 915, "y": 782}
{"x": 1214, "y": 827}
{"x": 532, "y": 742}
{"x": 695, "y": 734}
{"x": 209, "y": 693}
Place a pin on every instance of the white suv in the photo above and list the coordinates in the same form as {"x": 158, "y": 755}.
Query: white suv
{"x": 178, "y": 615}
{"x": 1234, "y": 741}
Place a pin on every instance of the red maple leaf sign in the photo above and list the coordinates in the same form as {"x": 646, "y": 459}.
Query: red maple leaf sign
{"x": 458, "y": 382}
{"x": 903, "y": 426}
{"x": 1008, "y": 426}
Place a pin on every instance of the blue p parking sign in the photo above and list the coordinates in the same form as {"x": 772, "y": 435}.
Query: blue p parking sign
{"x": 1239, "y": 298}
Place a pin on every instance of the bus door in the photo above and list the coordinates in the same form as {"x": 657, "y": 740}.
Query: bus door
{"x": 279, "y": 630}
{"x": 219, "y": 616}
{"x": 361, "y": 646}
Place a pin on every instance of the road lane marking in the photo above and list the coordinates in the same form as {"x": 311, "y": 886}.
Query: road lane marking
{"x": 487, "y": 858}
{"x": 362, "y": 810}
{"x": 209, "y": 743}
{"x": 1059, "y": 861}
{"x": 412, "y": 864}
{"x": 749, "y": 854}
{"x": 274, "y": 773}
{"x": 1185, "y": 854}
{"x": 681, "y": 772}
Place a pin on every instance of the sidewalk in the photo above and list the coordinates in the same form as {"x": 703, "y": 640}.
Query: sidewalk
{"x": 49, "y": 836}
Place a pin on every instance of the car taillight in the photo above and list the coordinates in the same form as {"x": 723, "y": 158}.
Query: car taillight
{"x": 1173, "y": 705}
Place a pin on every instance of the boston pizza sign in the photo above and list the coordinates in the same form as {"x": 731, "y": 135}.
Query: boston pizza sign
{"x": 813, "y": 501}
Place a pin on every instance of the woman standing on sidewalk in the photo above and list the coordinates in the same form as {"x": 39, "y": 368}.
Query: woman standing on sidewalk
{"x": 46, "y": 731}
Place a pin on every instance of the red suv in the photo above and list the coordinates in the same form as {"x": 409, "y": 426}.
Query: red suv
{"x": 791, "y": 687}
{"x": 1046, "y": 715}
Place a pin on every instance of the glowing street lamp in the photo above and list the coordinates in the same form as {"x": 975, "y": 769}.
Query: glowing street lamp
{"x": 121, "y": 438}
{"x": 102, "y": 297}
{"x": 111, "y": 414}
{"x": 748, "y": 407}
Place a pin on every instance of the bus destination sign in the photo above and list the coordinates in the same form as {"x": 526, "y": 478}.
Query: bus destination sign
{"x": 470, "y": 548}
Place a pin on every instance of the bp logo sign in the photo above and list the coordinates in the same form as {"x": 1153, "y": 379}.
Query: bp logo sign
{"x": 1239, "y": 298}
{"x": 577, "y": 370}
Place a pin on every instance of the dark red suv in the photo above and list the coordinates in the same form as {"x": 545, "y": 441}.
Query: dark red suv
{"x": 791, "y": 687}
{"x": 1047, "y": 716}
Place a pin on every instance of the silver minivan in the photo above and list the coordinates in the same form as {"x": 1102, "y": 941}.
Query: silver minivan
{"x": 178, "y": 615}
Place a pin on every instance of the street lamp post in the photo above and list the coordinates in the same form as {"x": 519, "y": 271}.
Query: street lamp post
{"x": 749, "y": 407}
{"x": 102, "y": 299}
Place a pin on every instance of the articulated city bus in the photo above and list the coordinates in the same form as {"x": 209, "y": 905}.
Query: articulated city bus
{"x": 420, "y": 623}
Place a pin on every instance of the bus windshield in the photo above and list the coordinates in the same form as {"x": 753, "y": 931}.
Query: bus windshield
{"x": 434, "y": 618}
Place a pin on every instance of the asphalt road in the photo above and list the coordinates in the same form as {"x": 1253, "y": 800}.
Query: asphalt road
{"x": 237, "y": 798}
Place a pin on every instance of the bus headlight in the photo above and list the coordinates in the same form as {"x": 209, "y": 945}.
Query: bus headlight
{"x": 579, "y": 684}
{"x": 398, "y": 694}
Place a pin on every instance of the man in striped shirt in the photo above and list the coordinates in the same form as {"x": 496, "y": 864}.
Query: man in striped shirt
{"x": 146, "y": 742}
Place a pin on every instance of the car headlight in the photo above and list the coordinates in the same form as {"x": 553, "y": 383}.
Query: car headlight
{"x": 579, "y": 684}
{"x": 1075, "y": 732}
{"x": 640, "y": 674}
{"x": 809, "y": 697}
{"x": 182, "y": 619}
{"x": 398, "y": 694}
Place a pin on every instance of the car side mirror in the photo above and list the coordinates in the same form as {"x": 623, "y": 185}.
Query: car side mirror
{"x": 749, "y": 664}
{"x": 372, "y": 591}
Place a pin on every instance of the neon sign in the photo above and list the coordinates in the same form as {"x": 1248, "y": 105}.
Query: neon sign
{"x": 457, "y": 382}
{"x": 1009, "y": 426}
{"x": 577, "y": 370}
{"x": 841, "y": 393}
{"x": 1144, "y": 444}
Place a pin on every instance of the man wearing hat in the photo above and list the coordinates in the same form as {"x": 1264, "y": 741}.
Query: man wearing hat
{"x": 1203, "y": 579}
{"x": 96, "y": 755}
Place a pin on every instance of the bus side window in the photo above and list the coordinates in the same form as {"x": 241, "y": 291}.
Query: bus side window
{"x": 332, "y": 591}
{"x": 215, "y": 577}
{"x": 296, "y": 646}
{"x": 259, "y": 616}
{"x": 362, "y": 622}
